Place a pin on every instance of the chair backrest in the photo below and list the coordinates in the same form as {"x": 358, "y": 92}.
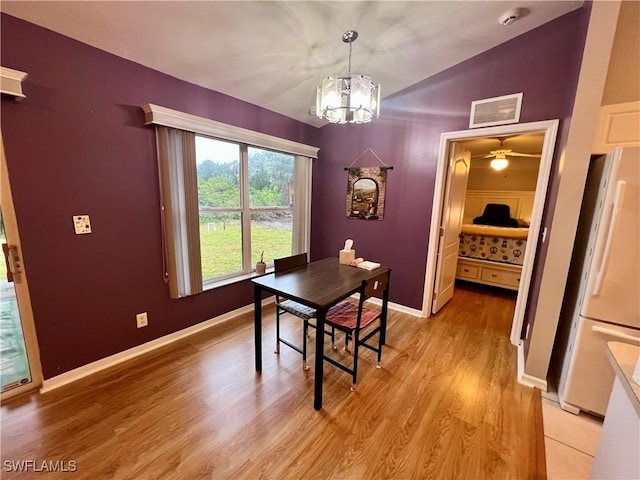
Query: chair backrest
{"x": 374, "y": 287}
{"x": 287, "y": 263}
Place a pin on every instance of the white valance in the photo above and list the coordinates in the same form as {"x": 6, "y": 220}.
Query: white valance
{"x": 11, "y": 82}
{"x": 167, "y": 117}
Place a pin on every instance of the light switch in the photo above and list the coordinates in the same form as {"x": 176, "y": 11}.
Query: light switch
{"x": 81, "y": 224}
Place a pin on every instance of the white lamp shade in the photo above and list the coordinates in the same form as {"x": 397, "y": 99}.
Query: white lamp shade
{"x": 499, "y": 163}
{"x": 348, "y": 99}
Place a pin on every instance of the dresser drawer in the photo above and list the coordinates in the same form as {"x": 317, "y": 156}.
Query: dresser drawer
{"x": 501, "y": 277}
{"x": 467, "y": 271}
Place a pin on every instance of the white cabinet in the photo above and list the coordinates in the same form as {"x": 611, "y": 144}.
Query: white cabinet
{"x": 617, "y": 454}
{"x": 489, "y": 273}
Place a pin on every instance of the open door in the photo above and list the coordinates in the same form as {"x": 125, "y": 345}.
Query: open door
{"x": 20, "y": 367}
{"x": 452, "y": 215}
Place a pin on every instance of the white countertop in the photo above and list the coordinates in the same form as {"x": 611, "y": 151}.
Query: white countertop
{"x": 623, "y": 357}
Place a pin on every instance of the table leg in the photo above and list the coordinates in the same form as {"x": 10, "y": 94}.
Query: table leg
{"x": 257, "y": 325}
{"x": 385, "y": 310}
{"x": 319, "y": 371}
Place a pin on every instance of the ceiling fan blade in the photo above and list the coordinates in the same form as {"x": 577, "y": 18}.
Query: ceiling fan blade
{"x": 516, "y": 154}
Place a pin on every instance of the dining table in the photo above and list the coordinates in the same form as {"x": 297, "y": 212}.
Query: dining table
{"x": 319, "y": 285}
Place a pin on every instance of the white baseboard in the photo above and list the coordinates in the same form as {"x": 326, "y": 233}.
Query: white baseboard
{"x": 525, "y": 379}
{"x": 568, "y": 407}
{"x": 392, "y": 306}
{"x": 112, "y": 360}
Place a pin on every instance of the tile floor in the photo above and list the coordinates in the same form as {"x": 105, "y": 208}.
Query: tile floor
{"x": 570, "y": 441}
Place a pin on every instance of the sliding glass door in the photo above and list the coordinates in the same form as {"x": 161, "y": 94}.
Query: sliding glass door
{"x": 14, "y": 362}
{"x": 19, "y": 357}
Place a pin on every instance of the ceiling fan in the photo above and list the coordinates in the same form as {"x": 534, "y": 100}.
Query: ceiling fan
{"x": 500, "y": 155}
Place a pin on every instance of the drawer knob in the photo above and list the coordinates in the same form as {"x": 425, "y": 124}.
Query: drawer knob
{"x": 494, "y": 275}
{"x": 466, "y": 270}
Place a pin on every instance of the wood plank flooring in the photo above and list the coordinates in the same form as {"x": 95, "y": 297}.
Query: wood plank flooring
{"x": 445, "y": 405}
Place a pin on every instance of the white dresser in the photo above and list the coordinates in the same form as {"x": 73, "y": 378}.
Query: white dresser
{"x": 496, "y": 274}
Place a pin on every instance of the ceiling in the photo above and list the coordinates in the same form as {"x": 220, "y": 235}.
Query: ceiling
{"x": 274, "y": 53}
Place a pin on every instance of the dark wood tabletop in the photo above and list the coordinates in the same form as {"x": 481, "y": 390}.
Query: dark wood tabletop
{"x": 318, "y": 284}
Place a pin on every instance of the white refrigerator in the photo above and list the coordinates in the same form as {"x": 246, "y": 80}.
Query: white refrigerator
{"x": 602, "y": 300}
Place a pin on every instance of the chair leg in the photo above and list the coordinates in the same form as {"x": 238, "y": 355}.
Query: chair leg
{"x": 379, "y": 351}
{"x": 347, "y": 337}
{"x": 277, "y": 350}
{"x": 356, "y": 346}
{"x": 334, "y": 347}
{"x": 305, "y": 332}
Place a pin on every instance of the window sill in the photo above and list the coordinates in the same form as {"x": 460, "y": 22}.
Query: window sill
{"x": 211, "y": 285}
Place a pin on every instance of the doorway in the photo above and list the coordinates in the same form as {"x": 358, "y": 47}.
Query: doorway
{"x": 548, "y": 130}
{"x": 20, "y": 362}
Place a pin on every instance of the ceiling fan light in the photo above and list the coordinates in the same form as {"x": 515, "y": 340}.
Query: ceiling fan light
{"x": 499, "y": 163}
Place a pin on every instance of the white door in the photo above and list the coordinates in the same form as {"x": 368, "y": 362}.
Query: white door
{"x": 452, "y": 214}
{"x": 19, "y": 357}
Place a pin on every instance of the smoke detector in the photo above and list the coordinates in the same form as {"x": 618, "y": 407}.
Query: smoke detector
{"x": 509, "y": 17}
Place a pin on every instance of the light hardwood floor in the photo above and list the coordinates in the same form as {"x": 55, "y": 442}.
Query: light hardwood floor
{"x": 445, "y": 405}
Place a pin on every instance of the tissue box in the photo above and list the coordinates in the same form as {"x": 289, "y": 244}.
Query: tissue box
{"x": 347, "y": 256}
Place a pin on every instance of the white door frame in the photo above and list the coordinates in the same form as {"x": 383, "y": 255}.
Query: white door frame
{"x": 550, "y": 130}
{"x": 20, "y": 283}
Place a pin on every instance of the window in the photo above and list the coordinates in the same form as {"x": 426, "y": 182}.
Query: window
{"x": 228, "y": 195}
{"x": 244, "y": 193}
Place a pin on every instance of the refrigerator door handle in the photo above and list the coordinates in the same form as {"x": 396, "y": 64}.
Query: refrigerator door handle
{"x": 617, "y": 205}
{"x": 616, "y": 334}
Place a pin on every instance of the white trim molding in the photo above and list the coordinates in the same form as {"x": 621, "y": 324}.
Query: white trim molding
{"x": 528, "y": 380}
{"x": 392, "y": 306}
{"x": 11, "y": 82}
{"x": 157, "y": 115}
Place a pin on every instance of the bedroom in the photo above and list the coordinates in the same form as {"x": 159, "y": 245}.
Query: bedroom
{"x": 497, "y": 212}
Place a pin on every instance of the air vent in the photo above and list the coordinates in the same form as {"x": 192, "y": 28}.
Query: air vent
{"x": 496, "y": 111}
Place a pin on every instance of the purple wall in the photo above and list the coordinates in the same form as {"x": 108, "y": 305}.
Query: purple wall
{"x": 77, "y": 145}
{"x": 543, "y": 63}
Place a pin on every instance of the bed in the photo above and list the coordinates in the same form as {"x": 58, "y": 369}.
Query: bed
{"x": 497, "y": 244}
{"x": 492, "y": 255}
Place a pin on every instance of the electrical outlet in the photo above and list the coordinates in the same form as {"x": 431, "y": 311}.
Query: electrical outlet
{"x": 142, "y": 320}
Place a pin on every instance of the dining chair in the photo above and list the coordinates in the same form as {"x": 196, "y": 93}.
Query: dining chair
{"x": 285, "y": 305}
{"x": 358, "y": 320}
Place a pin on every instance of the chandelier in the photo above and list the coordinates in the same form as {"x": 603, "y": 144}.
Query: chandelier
{"x": 350, "y": 99}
